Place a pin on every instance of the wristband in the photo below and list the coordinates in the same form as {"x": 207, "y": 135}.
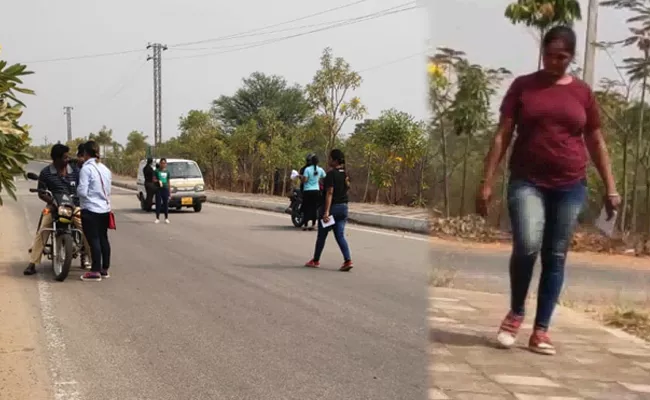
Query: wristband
{"x": 613, "y": 195}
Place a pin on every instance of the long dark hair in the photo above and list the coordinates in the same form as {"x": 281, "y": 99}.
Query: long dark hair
{"x": 338, "y": 156}
{"x": 91, "y": 149}
{"x": 314, "y": 163}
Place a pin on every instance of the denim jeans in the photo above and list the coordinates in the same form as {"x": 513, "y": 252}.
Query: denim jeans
{"x": 340, "y": 214}
{"x": 95, "y": 228}
{"x": 162, "y": 202}
{"x": 543, "y": 221}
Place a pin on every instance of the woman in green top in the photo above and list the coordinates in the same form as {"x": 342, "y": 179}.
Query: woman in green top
{"x": 162, "y": 196}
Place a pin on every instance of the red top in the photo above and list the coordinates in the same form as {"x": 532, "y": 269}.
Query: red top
{"x": 551, "y": 120}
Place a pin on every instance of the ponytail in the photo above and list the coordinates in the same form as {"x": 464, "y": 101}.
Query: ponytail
{"x": 314, "y": 163}
{"x": 338, "y": 156}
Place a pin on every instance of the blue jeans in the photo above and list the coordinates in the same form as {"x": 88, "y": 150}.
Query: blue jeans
{"x": 340, "y": 214}
{"x": 543, "y": 221}
{"x": 162, "y": 202}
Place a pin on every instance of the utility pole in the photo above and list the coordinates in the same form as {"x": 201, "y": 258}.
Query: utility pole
{"x": 68, "y": 117}
{"x": 590, "y": 43}
{"x": 157, "y": 96}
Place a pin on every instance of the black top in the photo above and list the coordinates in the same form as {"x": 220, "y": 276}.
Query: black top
{"x": 336, "y": 178}
{"x": 148, "y": 174}
{"x": 302, "y": 184}
{"x": 49, "y": 179}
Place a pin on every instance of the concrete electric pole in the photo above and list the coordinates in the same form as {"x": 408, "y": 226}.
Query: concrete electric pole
{"x": 68, "y": 116}
{"x": 157, "y": 96}
{"x": 590, "y": 43}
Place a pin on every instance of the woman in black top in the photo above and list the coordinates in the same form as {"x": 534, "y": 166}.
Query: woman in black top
{"x": 337, "y": 183}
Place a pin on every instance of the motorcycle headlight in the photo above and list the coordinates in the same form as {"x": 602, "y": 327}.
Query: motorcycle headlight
{"x": 65, "y": 212}
{"x": 199, "y": 188}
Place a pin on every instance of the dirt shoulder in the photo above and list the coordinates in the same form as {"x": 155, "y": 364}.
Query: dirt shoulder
{"x": 23, "y": 361}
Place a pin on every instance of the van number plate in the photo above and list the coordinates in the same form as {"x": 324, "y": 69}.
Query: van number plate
{"x": 186, "y": 201}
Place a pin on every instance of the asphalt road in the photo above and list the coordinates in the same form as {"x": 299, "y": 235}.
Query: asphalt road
{"x": 216, "y": 305}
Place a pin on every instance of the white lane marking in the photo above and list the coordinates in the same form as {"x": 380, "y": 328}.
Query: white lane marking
{"x": 65, "y": 388}
{"x": 283, "y": 216}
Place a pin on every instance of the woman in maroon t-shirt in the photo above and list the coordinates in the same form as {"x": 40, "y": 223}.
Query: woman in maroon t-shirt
{"x": 558, "y": 123}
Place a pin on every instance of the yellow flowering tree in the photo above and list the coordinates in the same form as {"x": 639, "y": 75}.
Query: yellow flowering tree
{"x": 14, "y": 137}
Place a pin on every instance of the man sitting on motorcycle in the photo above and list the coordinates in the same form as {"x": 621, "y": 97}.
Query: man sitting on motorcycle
{"x": 59, "y": 178}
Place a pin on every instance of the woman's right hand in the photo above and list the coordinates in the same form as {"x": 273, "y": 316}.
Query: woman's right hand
{"x": 483, "y": 197}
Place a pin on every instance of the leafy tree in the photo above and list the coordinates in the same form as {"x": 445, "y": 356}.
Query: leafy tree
{"x": 637, "y": 71}
{"x": 262, "y": 91}
{"x": 542, "y": 15}
{"x": 14, "y": 137}
{"x": 330, "y": 93}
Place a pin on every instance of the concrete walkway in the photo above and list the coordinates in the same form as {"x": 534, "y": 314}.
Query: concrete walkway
{"x": 593, "y": 362}
{"x": 390, "y": 217}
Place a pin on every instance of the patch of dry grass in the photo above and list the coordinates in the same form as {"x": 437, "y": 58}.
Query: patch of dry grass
{"x": 633, "y": 321}
{"x": 441, "y": 277}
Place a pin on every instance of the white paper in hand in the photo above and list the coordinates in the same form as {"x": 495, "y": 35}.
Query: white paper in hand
{"x": 328, "y": 223}
{"x": 294, "y": 174}
{"x": 604, "y": 226}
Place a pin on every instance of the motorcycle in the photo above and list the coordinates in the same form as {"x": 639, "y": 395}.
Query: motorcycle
{"x": 295, "y": 208}
{"x": 64, "y": 242}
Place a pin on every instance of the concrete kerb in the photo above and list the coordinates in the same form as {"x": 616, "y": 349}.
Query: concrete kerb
{"x": 414, "y": 225}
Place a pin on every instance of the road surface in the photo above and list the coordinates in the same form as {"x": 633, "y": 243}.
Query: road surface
{"x": 216, "y": 305}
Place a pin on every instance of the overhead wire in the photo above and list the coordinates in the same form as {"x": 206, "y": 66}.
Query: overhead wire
{"x": 236, "y": 35}
{"x": 352, "y": 21}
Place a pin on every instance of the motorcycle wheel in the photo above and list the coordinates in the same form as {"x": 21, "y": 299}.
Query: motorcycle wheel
{"x": 297, "y": 217}
{"x": 62, "y": 257}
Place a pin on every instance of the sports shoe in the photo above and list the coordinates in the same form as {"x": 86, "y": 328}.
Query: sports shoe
{"x": 166, "y": 221}
{"x": 348, "y": 265}
{"x": 509, "y": 329}
{"x": 91, "y": 277}
{"x": 540, "y": 343}
{"x": 105, "y": 274}
{"x": 312, "y": 264}
{"x": 157, "y": 221}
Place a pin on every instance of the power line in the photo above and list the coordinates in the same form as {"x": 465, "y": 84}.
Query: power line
{"x": 115, "y": 53}
{"x": 395, "y": 61}
{"x": 352, "y": 21}
{"x": 269, "y": 26}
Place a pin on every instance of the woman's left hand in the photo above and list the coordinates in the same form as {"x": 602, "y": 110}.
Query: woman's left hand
{"x": 326, "y": 218}
{"x": 612, "y": 202}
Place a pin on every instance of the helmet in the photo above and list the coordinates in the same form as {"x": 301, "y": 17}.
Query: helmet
{"x": 309, "y": 157}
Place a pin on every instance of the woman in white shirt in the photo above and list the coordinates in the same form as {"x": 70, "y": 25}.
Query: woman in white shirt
{"x": 94, "y": 192}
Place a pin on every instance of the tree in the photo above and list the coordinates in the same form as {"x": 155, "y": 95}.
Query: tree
{"x": 542, "y": 15}
{"x": 14, "y": 137}
{"x": 262, "y": 91}
{"x": 637, "y": 71}
{"x": 329, "y": 92}
{"x": 136, "y": 143}
{"x": 103, "y": 138}
{"x": 470, "y": 109}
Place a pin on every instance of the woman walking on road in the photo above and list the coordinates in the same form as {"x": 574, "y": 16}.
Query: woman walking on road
{"x": 311, "y": 195}
{"x": 94, "y": 193}
{"x": 162, "y": 196}
{"x": 337, "y": 183}
{"x": 558, "y": 123}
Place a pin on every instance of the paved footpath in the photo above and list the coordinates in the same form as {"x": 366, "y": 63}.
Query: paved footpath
{"x": 593, "y": 362}
{"x": 410, "y": 219}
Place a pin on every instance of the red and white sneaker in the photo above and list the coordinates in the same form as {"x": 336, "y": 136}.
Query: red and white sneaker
{"x": 540, "y": 343}
{"x": 507, "y": 335}
{"x": 348, "y": 265}
{"x": 91, "y": 277}
{"x": 312, "y": 264}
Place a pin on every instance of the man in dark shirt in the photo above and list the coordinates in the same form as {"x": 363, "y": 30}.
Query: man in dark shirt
{"x": 59, "y": 178}
{"x": 149, "y": 184}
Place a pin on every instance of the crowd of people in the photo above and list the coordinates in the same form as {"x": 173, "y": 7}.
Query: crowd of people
{"x": 88, "y": 182}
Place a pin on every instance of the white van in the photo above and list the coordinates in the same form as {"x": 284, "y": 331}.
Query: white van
{"x": 185, "y": 182}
